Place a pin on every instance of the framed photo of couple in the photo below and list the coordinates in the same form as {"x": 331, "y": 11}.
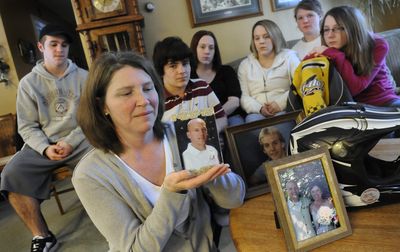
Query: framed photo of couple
{"x": 253, "y": 144}
{"x": 308, "y": 200}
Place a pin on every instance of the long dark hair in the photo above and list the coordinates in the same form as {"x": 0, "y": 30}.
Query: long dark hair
{"x": 216, "y": 62}
{"x": 325, "y": 194}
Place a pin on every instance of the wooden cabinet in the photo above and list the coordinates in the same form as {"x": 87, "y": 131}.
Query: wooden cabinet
{"x": 99, "y": 9}
{"x": 109, "y": 25}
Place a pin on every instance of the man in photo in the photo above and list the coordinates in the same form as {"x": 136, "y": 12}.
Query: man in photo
{"x": 273, "y": 145}
{"x": 198, "y": 154}
{"x": 299, "y": 212}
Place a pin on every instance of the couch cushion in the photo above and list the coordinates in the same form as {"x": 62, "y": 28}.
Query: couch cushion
{"x": 393, "y": 58}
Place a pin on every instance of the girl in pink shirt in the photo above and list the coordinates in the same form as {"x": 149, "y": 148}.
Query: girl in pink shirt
{"x": 358, "y": 55}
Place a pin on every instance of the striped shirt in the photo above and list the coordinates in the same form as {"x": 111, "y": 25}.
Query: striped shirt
{"x": 199, "y": 99}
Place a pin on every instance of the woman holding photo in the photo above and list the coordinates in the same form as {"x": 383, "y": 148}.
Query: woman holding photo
{"x": 132, "y": 184}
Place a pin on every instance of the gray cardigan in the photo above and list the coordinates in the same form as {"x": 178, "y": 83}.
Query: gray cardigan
{"x": 120, "y": 211}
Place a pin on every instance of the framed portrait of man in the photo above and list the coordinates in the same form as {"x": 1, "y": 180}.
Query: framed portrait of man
{"x": 198, "y": 143}
{"x": 252, "y": 145}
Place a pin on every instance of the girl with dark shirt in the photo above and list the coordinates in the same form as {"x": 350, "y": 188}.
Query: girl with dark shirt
{"x": 222, "y": 78}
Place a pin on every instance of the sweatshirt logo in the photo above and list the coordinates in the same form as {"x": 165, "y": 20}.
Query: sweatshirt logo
{"x": 61, "y": 106}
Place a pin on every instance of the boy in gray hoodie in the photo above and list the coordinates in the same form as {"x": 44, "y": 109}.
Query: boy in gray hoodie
{"x": 47, "y": 102}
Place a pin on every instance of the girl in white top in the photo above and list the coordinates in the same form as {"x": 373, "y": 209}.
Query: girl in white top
{"x": 308, "y": 15}
{"x": 265, "y": 75}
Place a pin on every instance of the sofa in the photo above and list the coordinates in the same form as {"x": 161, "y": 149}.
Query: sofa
{"x": 392, "y": 59}
{"x": 250, "y": 150}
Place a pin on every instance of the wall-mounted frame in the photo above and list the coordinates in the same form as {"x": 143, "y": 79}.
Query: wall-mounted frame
{"x": 205, "y": 12}
{"x": 308, "y": 199}
{"x": 248, "y": 156}
{"x": 278, "y": 5}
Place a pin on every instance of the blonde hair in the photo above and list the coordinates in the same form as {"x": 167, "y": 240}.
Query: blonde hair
{"x": 278, "y": 41}
{"x": 270, "y": 131}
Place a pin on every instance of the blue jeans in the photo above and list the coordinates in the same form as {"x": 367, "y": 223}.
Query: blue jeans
{"x": 254, "y": 117}
{"x": 235, "y": 120}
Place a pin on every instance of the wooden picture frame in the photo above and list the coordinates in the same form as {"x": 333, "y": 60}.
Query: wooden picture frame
{"x": 278, "y": 5}
{"x": 308, "y": 171}
{"x": 247, "y": 156}
{"x": 205, "y": 12}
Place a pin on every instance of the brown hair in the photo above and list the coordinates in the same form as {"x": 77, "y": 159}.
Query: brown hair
{"x": 216, "y": 62}
{"x": 171, "y": 49}
{"x": 360, "y": 43}
{"x": 99, "y": 128}
{"x": 311, "y": 5}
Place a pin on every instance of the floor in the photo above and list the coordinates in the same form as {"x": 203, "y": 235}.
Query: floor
{"x": 74, "y": 230}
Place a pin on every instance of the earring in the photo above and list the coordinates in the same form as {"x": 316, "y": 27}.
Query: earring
{"x": 106, "y": 114}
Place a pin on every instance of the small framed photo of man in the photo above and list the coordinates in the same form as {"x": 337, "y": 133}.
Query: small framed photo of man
{"x": 308, "y": 200}
{"x": 198, "y": 143}
{"x": 252, "y": 145}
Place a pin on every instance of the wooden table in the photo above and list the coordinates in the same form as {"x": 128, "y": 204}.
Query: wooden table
{"x": 374, "y": 229}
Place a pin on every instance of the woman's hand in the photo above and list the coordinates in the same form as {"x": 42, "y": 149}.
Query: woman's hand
{"x": 273, "y": 107}
{"x": 264, "y": 111}
{"x": 184, "y": 180}
{"x": 270, "y": 109}
{"x": 315, "y": 52}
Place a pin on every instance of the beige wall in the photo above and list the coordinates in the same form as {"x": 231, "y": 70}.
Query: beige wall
{"x": 171, "y": 17}
{"x": 8, "y": 93}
